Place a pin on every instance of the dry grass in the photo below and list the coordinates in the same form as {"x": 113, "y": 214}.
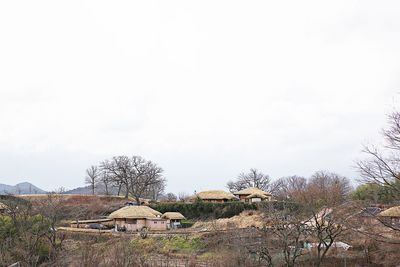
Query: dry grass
{"x": 243, "y": 220}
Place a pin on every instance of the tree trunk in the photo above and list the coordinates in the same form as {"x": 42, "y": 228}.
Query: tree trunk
{"x": 106, "y": 186}
{"x": 127, "y": 192}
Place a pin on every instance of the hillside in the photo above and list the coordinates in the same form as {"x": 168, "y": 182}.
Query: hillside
{"x": 21, "y": 188}
{"x": 87, "y": 190}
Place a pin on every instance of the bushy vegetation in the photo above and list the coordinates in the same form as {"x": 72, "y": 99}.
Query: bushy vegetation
{"x": 28, "y": 234}
{"x": 205, "y": 210}
{"x": 208, "y": 210}
{"x": 24, "y": 239}
{"x": 376, "y": 193}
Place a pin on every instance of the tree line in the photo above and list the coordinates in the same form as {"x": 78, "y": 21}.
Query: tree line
{"x": 327, "y": 187}
{"x": 379, "y": 172}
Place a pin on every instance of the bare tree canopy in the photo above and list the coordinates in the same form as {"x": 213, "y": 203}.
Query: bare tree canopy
{"x": 328, "y": 188}
{"x": 382, "y": 165}
{"x": 92, "y": 175}
{"x": 254, "y": 178}
{"x": 291, "y": 187}
{"x": 170, "y": 197}
{"x": 322, "y": 188}
{"x": 134, "y": 175}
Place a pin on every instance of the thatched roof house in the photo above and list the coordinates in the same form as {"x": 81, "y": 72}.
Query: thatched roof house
{"x": 173, "y": 216}
{"x": 215, "y": 196}
{"x": 391, "y": 215}
{"x": 135, "y": 212}
{"x": 173, "y": 219}
{"x": 253, "y": 194}
{"x": 134, "y": 218}
{"x": 391, "y": 212}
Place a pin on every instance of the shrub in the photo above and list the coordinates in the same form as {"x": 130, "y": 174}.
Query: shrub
{"x": 205, "y": 210}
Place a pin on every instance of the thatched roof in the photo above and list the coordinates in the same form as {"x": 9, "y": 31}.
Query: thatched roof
{"x": 392, "y": 212}
{"x": 252, "y": 190}
{"x": 173, "y": 216}
{"x": 135, "y": 212}
{"x": 215, "y": 194}
{"x": 257, "y": 195}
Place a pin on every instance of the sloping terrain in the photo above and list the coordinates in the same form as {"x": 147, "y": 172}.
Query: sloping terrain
{"x": 243, "y": 220}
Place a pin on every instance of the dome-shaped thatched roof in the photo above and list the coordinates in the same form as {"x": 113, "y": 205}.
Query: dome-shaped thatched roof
{"x": 392, "y": 212}
{"x": 135, "y": 212}
{"x": 215, "y": 194}
{"x": 251, "y": 191}
{"x": 173, "y": 216}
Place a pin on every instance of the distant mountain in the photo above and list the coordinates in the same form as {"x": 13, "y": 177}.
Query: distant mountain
{"x": 21, "y": 189}
{"x": 87, "y": 190}
{"x": 84, "y": 190}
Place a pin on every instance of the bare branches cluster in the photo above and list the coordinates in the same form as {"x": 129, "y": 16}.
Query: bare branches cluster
{"x": 311, "y": 231}
{"x": 134, "y": 176}
{"x": 254, "y": 178}
{"x": 328, "y": 188}
{"x": 382, "y": 165}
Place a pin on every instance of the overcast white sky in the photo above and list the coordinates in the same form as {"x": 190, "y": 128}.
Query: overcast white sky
{"x": 206, "y": 89}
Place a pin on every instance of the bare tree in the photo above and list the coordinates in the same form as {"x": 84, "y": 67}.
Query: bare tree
{"x": 254, "y": 178}
{"x": 327, "y": 188}
{"x": 92, "y": 175}
{"x": 382, "y": 165}
{"x": 144, "y": 174}
{"x": 170, "y": 197}
{"x": 182, "y": 196}
{"x": 327, "y": 225}
{"x": 136, "y": 176}
{"x": 106, "y": 180}
{"x": 118, "y": 171}
{"x": 156, "y": 190}
{"x": 290, "y": 188}
{"x": 290, "y": 231}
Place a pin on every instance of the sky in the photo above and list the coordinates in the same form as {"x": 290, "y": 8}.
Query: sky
{"x": 205, "y": 89}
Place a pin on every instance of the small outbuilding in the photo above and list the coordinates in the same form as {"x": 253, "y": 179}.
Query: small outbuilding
{"x": 173, "y": 219}
{"x": 215, "y": 196}
{"x": 391, "y": 215}
{"x": 253, "y": 194}
{"x": 135, "y": 218}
